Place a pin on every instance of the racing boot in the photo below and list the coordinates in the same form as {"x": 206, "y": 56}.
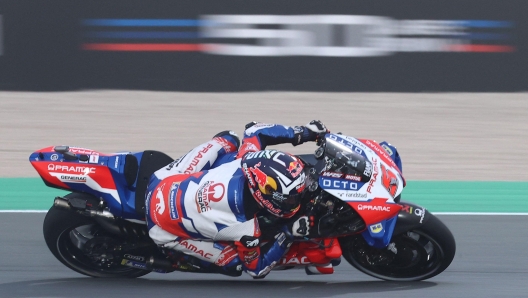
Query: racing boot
{"x": 322, "y": 269}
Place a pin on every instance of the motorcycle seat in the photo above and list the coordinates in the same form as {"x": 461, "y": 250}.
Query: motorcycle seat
{"x": 151, "y": 161}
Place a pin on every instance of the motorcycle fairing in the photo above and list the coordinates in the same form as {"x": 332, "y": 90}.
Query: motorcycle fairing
{"x": 379, "y": 235}
{"x": 373, "y": 200}
{"x": 307, "y": 252}
{"x": 99, "y": 174}
{"x": 386, "y": 179}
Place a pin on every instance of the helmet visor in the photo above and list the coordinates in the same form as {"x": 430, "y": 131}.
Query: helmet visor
{"x": 287, "y": 202}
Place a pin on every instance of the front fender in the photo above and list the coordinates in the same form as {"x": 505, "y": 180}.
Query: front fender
{"x": 410, "y": 217}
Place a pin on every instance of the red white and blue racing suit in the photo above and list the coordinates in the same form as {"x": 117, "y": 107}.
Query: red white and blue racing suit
{"x": 195, "y": 205}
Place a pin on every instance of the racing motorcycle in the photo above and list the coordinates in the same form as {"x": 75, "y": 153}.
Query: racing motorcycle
{"x": 353, "y": 197}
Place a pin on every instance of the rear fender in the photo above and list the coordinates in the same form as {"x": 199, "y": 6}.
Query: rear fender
{"x": 81, "y": 170}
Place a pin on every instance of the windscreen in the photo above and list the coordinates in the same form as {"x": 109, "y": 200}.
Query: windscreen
{"x": 347, "y": 160}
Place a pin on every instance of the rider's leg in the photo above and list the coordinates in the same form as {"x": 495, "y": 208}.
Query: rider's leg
{"x": 202, "y": 157}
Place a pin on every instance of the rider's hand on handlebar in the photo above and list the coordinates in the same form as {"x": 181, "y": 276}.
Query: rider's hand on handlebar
{"x": 314, "y": 130}
{"x": 301, "y": 227}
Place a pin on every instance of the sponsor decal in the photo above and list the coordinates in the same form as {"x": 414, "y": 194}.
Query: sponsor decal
{"x": 85, "y": 151}
{"x": 387, "y": 149}
{"x": 160, "y": 206}
{"x": 338, "y": 184}
{"x": 381, "y": 152}
{"x": 295, "y": 261}
{"x": 356, "y": 195}
{"x": 341, "y": 175}
{"x": 295, "y": 168}
{"x": 256, "y": 127}
{"x": 226, "y": 256}
{"x": 260, "y": 177}
{"x": 362, "y": 207}
{"x": 129, "y": 263}
{"x": 225, "y": 144}
{"x": 253, "y": 243}
{"x": 268, "y": 154}
{"x": 248, "y": 147}
{"x": 348, "y": 143}
{"x": 420, "y": 212}
{"x": 135, "y": 258}
{"x": 175, "y": 163}
{"x": 265, "y": 203}
{"x": 237, "y": 201}
{"x": 196, "y": 250}
{"x": 94, "y": 158}
{"x": 376, "y": 228}
{"x": 207, "y": 193}
{"x": 389, "y": 180}
{"x": 147, "y": 203}
{"x": 73, "y": 178}
{"x": 116, "y": 162}
{"x": 250, "y": 255}
{"x": 248, "y": 175}
{"x": 194, "y": 162}
{"x": 172, "y": 200}
{"x": 278, "y": 196}
{"x": 332, "y": 174}
{"x": 368, "y": 169}
{"x": 54, "y": 157}
{"x": 352, "y": 177}
{"x": 374, "y": 175}
{"x": 71, "y": 169}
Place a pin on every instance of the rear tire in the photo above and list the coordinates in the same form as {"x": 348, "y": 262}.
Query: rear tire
{"x": 417, "y": 254}
{"x": 68, "y": 235}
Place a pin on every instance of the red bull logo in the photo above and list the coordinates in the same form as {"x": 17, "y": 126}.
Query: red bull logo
{"x": 295, "y": 168}
{"x": 260, "y": 176}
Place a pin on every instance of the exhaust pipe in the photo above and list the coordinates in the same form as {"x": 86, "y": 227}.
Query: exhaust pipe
{"x": 105, "y": 219}
{"x": 80, "y": 205}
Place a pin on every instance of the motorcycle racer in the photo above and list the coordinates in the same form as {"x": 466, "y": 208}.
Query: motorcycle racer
{"x": 205, "y": 203}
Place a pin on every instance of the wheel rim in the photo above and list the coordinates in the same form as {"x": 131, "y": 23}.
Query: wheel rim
{"x": 87, "y": 249}
{"x": 411, "y": 256}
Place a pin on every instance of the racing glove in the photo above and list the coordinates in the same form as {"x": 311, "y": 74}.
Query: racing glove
{"x": 259, "y": 265}
{"x": 301, "y": 227}
{"x": 313, "y": 130}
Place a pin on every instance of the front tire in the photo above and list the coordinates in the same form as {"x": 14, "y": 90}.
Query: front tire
{"x": 82, "y": 245}
{"x": 417, "y": 254}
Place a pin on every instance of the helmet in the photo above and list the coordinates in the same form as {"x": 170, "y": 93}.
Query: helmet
{"x": 276, "y": 180}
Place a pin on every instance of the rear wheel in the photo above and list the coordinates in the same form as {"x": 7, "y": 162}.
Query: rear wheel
{"x": 417, "y": 254}
{"x": 82, "y": 245}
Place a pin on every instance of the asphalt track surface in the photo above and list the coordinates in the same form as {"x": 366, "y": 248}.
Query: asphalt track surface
{"x": 456, "y": 137}
{"x": 491, "y": 261}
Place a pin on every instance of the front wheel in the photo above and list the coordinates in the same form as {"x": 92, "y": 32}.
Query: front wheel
{"x": 417, "y": 254}
{"x": 82, "y": 245}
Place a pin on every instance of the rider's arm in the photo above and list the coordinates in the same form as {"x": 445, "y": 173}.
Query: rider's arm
{"x": 258, "y": 263}
{"x": 256, "y": 259}
{"x": 258, "y": 136}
